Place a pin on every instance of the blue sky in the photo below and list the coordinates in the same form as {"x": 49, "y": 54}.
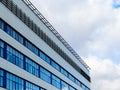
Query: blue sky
{"x": 116, "y": 3}
{"x": 92, "y": 28}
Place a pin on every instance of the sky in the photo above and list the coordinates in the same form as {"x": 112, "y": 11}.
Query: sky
{"x": 92, "y": 28}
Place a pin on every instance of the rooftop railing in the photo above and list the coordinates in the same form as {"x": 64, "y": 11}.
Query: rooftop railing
{"x": 50, "y": 27}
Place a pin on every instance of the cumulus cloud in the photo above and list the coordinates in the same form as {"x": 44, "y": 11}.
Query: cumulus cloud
{"x": 105, "y": 74}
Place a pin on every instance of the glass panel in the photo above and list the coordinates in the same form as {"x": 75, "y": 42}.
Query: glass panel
{"x": 71, "y": 78}
{"x": 31, "y": 67}
{"x": 77, "y": 82}
{"x": 42, "y": 55}
{"x": 1, "y": 48}
{"x": 13, "y": 83}
{"x": 55, "y": 65}
{"x": 83, "y": 87}
{"x": 63, "y": 71}
{"x": 14, "y": 57}
{"x": 1, "y": 78}
{"x": 30, "y": 86}
{"x": 71, "y": 88}
{"x": 55, "y": 81}
{"x": 64, "y": 85}
{"x": 31, "y": 47}
{"x": 1, "y": 24}
{"x": 47, "y": 59}
{"x": 45, "y": 75}
{"x": 9, "y": 30}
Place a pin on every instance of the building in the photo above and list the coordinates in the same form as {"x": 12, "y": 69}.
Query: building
{"x": 33, "y": 55}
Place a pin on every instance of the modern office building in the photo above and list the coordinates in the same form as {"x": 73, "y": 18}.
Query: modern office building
{"x": 33, "y": 55}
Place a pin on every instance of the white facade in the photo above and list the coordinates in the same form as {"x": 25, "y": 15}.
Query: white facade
{"x": 11, "y": 19}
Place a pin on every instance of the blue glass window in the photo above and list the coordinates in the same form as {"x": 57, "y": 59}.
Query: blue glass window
{"x": 1, "y": 48}
{"x": 45, "y": 75}
{"x": 56, "y": 81}
{"x": 14, "y": 57}
{"x": 55, "y": 65}
{"x": 1, "y": 78}
{"x": 9, "y": 30}
{"x": 71, "y": 78}
{"x": 14, "y": 83}
{"x": 31, "y": 67}
{"x": 18, "y": 37}
{"x": 78, "y": 83}
{"x": 63, "y": 71}
{"x": 30, "y": 86}
{"x": 14, "y": 34}
{"x": 87, "y": 88}
{"x": 83, "y": 87}
{"x": 31, "y": 47}
{"x": 42, "y": 55}
{"x": 71, "y": 88}
{"x": 47, "y": 59}
{"x": 1, "y": 24}
{"x": 64, "y": 85}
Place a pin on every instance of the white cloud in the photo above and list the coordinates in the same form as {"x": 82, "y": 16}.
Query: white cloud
{"x": 92, "y": 28}
{"x": 104, "y": 73}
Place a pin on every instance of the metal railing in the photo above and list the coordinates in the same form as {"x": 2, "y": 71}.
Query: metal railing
{"x": 50, "y": 27}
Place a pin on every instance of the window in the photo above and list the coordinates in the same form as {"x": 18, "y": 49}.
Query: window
{"x": 64, "y": 85}
{"x": 9, "y": 30}
{"x": 1, "y": 78}
{"x": 31, "y": 47}
{"x": 63, "y": 71}
{"x": 14, "y": 83}
{"x": 42, "y": 55}
{"x": 71, "y": 88}
{"x": 78, "y": 83}
{"x": 47, "y": 59}
{"x": 30, "y": 86}
{"x": 31, "y": 67}
{"x": 71, "y": 78}
{"x": 45, "y": 75}
{"x": 55, "y": 65}
{"x": 83, "y": 87}
{"x": 14, "y": 57}
{"x": 1, "y": 25}
{"x": 1, "y": 49}
{"x": 18, "y": 37}
{"x": 55, "y": 81}
{"x": 14, "y": 34}
{"x": 87, "y": 88}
